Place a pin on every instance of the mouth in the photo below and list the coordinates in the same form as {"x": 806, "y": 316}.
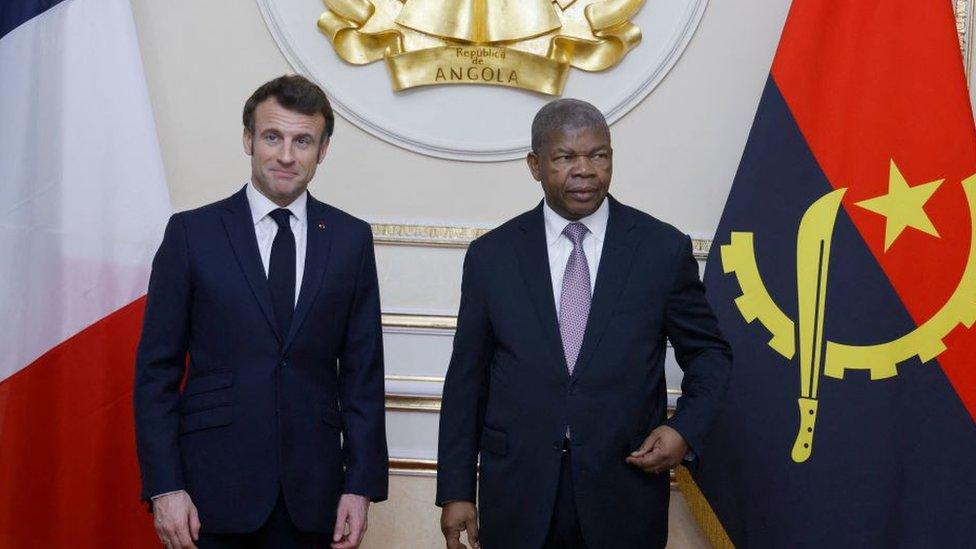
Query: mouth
{"x": 283, "y": 174}
{"x": 582, "y": 195}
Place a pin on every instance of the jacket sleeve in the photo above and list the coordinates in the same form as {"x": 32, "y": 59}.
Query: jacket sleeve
{"x": 465, "y": 390}
{"x": 701, "y": 352}
{"x": 161, "y": 362}
{"x": 361, "y": 388}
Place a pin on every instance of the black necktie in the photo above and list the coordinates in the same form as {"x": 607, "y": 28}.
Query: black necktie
{"x": 281, "y": 271}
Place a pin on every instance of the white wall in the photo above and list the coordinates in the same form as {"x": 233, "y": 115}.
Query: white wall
{"x": 675, "y": 157}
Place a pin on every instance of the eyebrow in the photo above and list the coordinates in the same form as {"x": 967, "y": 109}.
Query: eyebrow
{"x": 278, "y": 132}
{"x": 563, "y": 150}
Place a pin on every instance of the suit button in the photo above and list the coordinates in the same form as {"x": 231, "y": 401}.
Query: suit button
{"x": 283, "y": 363}
{"x": 557, "y": 446}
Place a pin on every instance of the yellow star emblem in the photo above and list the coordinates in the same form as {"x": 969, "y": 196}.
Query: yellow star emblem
{"x": 903, "y": 206}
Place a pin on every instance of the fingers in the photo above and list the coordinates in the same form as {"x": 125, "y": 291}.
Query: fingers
{"x": 194, "y": 523}
{"x": 176, "y": 533}
{"x": 340, "y": 524}
{"x": 649, "y": 444}
{"x": 183, "y": 537}
{"x": 471, "y": 527}
{"x": 452, "y": 537}
{"x": 654, "y": 461}
{"x": 357, "y": 527}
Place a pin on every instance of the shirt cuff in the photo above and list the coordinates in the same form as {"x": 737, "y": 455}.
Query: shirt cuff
{"x": 165, "y": 494}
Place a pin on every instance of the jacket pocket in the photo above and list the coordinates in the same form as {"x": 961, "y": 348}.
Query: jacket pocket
{"x": 206, "y": 419}
{"x": 209, "y": 381}
{"x": 211, "y": 390}
{"x": 494, "y": 441}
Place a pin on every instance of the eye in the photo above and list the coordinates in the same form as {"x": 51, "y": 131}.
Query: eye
{"x": 304, "y": 141}
{"x": 271, "y": 138}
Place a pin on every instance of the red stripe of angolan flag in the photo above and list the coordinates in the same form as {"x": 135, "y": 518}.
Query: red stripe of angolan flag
{"x": 68, "y": 471}
{"x": 869, "y": 82}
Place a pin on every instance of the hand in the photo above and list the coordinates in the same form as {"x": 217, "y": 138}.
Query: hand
{"x": 663, "y": 449}
{"x": 351, "y": 512}
{"x": 176, "y": 520}
{"x": 455, "y": 517}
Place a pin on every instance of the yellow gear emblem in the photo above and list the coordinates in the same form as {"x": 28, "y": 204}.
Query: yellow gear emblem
{"x": 830, "y": 358}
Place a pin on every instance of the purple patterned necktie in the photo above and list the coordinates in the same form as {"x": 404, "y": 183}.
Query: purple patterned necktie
{"x": 574, "y": 301}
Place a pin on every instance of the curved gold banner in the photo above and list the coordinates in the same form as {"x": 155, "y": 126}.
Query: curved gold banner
{"x": 477, "y": 65}
{"x": 434, "y": 42}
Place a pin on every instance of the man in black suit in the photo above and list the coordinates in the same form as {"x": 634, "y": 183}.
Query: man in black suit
{"x": 557, "y": 376}
{"x": 266, "y": 305}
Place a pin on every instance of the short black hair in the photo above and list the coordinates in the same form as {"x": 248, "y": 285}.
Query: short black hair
{"x": 295, "y": 93}
{"x": 565, "y": 114}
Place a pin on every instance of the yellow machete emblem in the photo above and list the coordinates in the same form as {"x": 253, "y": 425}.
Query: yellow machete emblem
{"x": 819, "y": 357}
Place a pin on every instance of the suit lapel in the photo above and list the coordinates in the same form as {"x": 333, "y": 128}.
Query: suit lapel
{"x": 240, "y": 231}
{"x": 615, "y": 262}
{"x": 318, "y": 244}
{"x": 533, "y": 256}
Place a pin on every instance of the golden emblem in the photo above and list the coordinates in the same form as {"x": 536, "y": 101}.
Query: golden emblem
{"x": 527, "y": 44}
{"x": 817, "y": 356}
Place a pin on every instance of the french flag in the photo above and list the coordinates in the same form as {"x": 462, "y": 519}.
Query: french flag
{"x": 83, "y": 203}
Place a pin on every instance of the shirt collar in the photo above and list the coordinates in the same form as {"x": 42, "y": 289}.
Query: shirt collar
{"x": 261, "y": 205}
{"x": 596, "y": 222}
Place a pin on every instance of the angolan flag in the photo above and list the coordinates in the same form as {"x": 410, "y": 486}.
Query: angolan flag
{"x": 83, "y": 202}
{"x": 843, "y": 272}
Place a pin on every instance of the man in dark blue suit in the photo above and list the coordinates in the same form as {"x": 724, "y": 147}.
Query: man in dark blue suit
{"x": 265, "y": 306}
{"x": 557, "y": 376}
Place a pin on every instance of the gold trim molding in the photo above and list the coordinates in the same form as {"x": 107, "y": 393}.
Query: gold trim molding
{"x": 423, "y": 322}
{"x": 413, "y": 467}
{"x": 432, "y": 236}
{"x": 413, "y": 403}
{"x": 425, "y": 235}
{"x": 432, "y": 403}
{"x": 963, "y": 10}
{"x": 428, "y": 468}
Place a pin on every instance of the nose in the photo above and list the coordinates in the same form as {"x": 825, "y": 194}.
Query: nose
{"x": 286, "y": 156}
{"x": 583, "y": 166}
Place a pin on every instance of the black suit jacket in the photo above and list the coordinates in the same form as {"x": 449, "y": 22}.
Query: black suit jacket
{"x": 261, "y": 411}
{"x": 508, "y": 396}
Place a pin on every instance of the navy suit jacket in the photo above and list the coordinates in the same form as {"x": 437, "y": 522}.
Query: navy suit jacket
{"x": 508, "y": 396}
{"x": 261, "y": 411}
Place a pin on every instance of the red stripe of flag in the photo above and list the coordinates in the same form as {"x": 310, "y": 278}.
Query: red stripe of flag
{"x": 863, "y": 98}
{"x": 68, "y": 467}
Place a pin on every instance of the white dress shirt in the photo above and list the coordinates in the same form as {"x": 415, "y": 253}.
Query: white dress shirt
{"x": 560, "y": 246}
{"x": 265, "y": 229}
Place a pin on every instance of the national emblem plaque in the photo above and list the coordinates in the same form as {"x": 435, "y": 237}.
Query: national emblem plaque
{"x": 528, "y": 44}
{"x": 393, "y": 67}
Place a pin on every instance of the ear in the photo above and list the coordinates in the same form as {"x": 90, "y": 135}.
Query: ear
{"x": 248, "y": 142}
{"x": 323, "y": 148}
{"x": 532, "y": 160}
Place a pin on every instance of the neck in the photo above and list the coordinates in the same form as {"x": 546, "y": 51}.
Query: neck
{"x": 279, "y": 201}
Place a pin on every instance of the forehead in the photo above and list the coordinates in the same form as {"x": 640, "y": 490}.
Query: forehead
{"x": 270, "y": 115}
{"x": 578, "y": 138}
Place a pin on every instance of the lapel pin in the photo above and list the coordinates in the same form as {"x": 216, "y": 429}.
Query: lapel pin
{"x": 321, "y": 225}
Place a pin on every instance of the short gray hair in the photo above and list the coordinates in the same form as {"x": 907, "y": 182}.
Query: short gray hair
{"x": 565, "y": 114}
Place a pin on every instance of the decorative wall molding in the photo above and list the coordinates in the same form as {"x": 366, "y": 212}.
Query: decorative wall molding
{"x": 432, "y": 402}
{"x": 964, "y": 27}
{"x": 413, "y": 467}
{"x": 433, "y": 236}
{"x": 419, "y": 322}
{"x": 413, "y": 403}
